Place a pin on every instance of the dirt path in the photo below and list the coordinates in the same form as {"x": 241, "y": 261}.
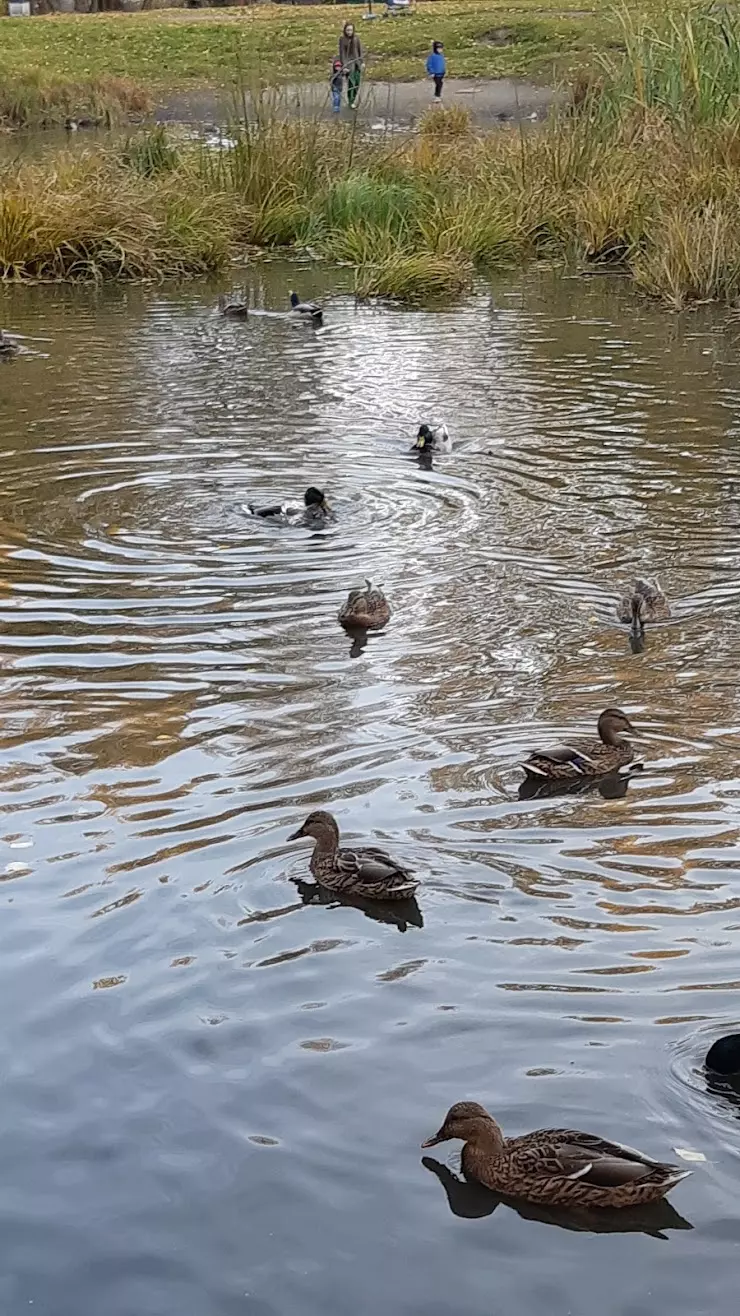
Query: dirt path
{"x": 381, "y": 104}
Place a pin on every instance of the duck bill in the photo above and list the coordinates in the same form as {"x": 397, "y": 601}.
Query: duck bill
{"x": 295, "y": 835}
{"x": 432, "y": 1142}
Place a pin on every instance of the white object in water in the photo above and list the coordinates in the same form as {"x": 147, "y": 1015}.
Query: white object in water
{"x": 688, "y": 1154}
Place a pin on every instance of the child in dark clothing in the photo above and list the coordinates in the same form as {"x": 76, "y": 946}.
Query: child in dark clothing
{"x": 335, "y": 83}
{"x": 437, "y": 67}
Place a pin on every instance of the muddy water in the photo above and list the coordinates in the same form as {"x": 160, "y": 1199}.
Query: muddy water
{"x": 214, "y": 1087}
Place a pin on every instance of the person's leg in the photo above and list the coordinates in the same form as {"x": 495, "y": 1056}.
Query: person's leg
{"x": 438, "y": 87}
{"x": 353, "y": 85}
{"x": 336, "y": 99}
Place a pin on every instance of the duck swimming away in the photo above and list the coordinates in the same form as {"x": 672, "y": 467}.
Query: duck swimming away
{"x": 583, "y": 757}
{"x": 364, "y": 871}
{"x": 233, "y": 309}
{"x": 8, "y": 347}
{"x": 647, "y": 602}
{"x": 723, "y": 1056}
{"x": 310, "y": 310}
{"x": 562, "y": 1167}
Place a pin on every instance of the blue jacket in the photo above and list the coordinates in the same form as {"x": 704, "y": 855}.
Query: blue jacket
{"x": 436, "y": 66}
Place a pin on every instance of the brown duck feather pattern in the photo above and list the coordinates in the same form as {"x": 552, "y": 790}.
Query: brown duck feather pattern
{"x": 568, "y": 1168}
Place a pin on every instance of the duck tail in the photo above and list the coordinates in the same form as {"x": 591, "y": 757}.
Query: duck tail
{"x": 672, "y": 1179}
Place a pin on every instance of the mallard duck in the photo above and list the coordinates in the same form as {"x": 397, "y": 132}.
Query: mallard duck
{"x": 723, "y": 1056}
{"x": 233, "y": 309}
{"x": 315, "y": 509}
{"x": 311, "y": 310}
{"x": 647, "y": 602}
{"x": 433, "y": 438}
{"x": 366, "y": 609}
{"x": 581, "y": 757}
{"x": 563, "y": 1167}
{"x": 366, "y": 871}
{"x": 8, "y": 347}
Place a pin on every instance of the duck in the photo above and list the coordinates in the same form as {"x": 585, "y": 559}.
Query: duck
{"x": 232, "y": 308}
{"x": 310, "y": 310}
{"x": 562, "y": 1167}
{"x": 8, "y": 347}
{"x": 647, "y": 602}
{"x": 723, "y": 1056}
{"x": 433, "y": 438}
{"x": 365, "y": 871}
{"x": 314, "y": 511}
{"x": 581, "y": 757}
{"x": 366, "y": 609}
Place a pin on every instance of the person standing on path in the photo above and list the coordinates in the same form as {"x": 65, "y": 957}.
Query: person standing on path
{"x": 437, "y": 67}
{"x": 350, "y": 53}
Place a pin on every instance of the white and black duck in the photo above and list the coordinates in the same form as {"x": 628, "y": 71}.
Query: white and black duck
{"x": 310, "y": 311}
{"x": 314, "y": 511}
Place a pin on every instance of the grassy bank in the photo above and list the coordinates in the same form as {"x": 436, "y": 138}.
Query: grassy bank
{"x": 643, "y": 177}
{"x": 34, "y": 99}
{"x": 180, "y": 48}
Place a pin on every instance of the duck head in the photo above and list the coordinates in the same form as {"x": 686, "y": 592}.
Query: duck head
{"x": 723, "y": 1056}
{"x": 320, "y": 825}
{"x": 611, "y": 724}
{"x": 295, "y": 299}
{"x": 468, "y": 1121}
{"x": 315, "y": 500}
{"x": 424, "y": 439}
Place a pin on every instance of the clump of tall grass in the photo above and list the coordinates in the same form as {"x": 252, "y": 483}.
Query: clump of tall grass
{"x": 33, "y": 99}
{"x": 91, "y": 218}
{"x": 446, "y": 121}
{"x": 420, "y": 277}
{"x": 686, "y": 65}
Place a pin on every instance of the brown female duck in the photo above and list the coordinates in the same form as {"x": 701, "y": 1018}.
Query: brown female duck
{"x": 365, "y": 872}
{"x": 366, "y": 609}
{"x": 583, "y": 757}
{"x": 647, "y": 602}
{"x": 562, "y": 1167}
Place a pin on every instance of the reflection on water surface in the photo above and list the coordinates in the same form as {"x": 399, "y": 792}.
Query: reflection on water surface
{"x": 216, "y": 1079}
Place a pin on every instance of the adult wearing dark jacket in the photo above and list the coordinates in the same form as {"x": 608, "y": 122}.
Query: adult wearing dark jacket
{"x": 350, "y": 53}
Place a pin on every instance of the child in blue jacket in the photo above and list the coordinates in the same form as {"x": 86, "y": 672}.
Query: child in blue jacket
{"x": 436, "y": 68}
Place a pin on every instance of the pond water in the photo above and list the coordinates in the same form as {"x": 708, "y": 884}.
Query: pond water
{"x": 214, "y": 1089}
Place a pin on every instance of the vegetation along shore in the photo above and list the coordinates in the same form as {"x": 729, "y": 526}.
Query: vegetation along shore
{"x": 639, "y": 173}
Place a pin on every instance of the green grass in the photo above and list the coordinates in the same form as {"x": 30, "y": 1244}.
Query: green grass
{"x": 175, "y": 48}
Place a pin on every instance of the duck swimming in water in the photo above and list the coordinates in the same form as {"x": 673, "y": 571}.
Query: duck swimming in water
{"x": 366, "y": 609}
{"x": 647, "y": 602}
{"x": 8, "y": 347}
{"x": 583, "y": 757}
{"x": 233, "y": 309}
{"x": 723, "y": 1056}
{"x": 433, "y": 438}
{"x": 314, "y": 511}
{"x": 364, "y": 871}
{"x": 563, "y": 1167}
{"x": 309, "y": 310}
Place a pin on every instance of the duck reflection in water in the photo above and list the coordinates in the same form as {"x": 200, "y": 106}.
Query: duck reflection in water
{"x": 472, "y": 1201}
{"x": 612, "y": 787}
{"x": 402, "y": 914}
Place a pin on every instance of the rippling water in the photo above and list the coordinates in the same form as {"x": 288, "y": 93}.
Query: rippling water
{"x": 214, "y": 1089}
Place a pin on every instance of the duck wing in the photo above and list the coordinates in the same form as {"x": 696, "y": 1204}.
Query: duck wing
{"x": 578, "y": 754}
{"x": 374, "y": 868}
{"x": 569, "y": 1154}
